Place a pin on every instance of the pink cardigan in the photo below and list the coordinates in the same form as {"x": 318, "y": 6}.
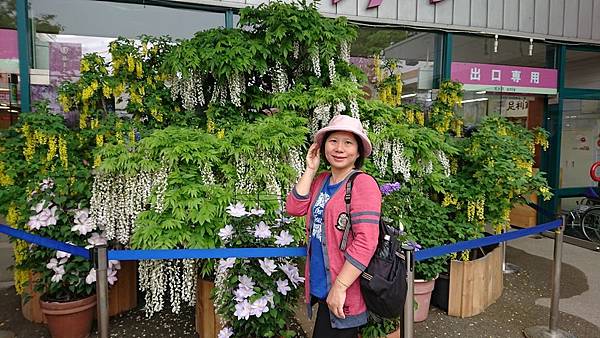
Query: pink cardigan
{"x": 365, "y": 210}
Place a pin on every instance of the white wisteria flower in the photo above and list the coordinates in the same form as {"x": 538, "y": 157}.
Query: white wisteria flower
{"x": 268, "y": 266}
{"x": 262, "y": 230}
{"x": 237, "y": 210}
{"x": 283, "y": 286}
{"x": 284, "y": 238}
{"x": 226, "y": 233}
{"x": 225, "y": 332}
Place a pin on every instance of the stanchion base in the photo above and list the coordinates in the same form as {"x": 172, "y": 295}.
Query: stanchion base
{"x": 510, "y": 268}
{"x": 544, "y": 332}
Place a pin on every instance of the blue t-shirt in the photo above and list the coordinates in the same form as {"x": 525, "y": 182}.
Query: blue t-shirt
{"x": 318, "y": 275}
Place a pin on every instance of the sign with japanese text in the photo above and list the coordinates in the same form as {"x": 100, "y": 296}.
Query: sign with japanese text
{"x": 506, "y": 79}
{"x": 515, "y": 106}
{"x": 377, "y": 3}
{"x": 65, "y": 60}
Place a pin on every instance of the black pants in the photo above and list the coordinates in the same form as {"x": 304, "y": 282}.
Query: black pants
{"x": 323, "y": 327}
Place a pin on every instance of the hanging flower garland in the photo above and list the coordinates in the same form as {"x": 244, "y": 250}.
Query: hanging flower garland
{"x": 117, "y": 200}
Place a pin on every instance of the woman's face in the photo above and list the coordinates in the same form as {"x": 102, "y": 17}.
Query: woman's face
{"x": 341, "y": 150}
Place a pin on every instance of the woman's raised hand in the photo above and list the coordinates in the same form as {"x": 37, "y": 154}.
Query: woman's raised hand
{"x": 313, "y": 158}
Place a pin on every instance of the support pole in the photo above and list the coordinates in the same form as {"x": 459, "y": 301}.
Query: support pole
{"x": 101, "y": 264}
{"x": 553, "y": 331}
{"x": 507, "y": 267}
{"x": 409, "y": 306}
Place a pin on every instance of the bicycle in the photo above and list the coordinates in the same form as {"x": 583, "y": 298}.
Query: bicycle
{"x": 586, "y": 214}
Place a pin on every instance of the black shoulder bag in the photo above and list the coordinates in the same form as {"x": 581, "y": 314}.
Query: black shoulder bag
{"x": 383, "y": 283}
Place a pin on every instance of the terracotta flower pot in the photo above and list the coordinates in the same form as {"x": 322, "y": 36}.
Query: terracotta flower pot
{"x": 423, "y": 289}
{"x": 70, "y": 319}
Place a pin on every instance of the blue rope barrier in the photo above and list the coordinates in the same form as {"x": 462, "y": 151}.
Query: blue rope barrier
{"x": 129, "y": 255}
{"x": 45, "y": 242}
{"x": 262, "y": 252}
{"x": 479, "y": 242}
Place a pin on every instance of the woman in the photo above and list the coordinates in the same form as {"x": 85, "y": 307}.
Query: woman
{"x": 332, "y": 275}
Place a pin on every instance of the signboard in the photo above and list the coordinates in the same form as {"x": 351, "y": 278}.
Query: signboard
{"x": 65, "y": 60}
{"x": 9, "y": 48}
{"x": 515, "y": 106}
{"x": 506, "y": 79}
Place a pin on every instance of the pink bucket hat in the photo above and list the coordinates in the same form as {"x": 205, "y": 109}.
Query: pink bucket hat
{"x": 346, "y": 123}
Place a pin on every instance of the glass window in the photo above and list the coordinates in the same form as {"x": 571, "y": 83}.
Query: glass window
{"x": 582, "y": 69}
{"x": 480, "y": 49}
{"x": 64, "y": 30}
{"x": 413, "y": 51}
{"x": 580, "y": 142}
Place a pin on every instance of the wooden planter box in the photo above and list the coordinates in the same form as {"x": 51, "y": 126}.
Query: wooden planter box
{"x": 122, "y": 296}
{"x": 207, "y": 322}
{"x": 475, "y": 285}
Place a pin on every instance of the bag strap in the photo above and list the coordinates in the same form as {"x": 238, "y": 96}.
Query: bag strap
{"x": 347, "y": 199}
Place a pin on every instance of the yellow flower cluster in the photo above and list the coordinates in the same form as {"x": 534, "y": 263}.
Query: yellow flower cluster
{"x": 464, "y": 256}
{"x": 85, "y": 66}
{"x": 131, "y": 136}
{"x": 5, "y": 180}
{"x": 135, "y": 98}
{"x": 221, "y": 134}
{"x": 156, "y": 114}
{"x": 65, "y": 102}
{"x": 62, "y": 152}
{"x": 130, "y": 63}
{"x": 210, "y": 126}
{"x": 527, "y": 166}
{"x": 52, "y": 147}
{"x": 420, "y": 117}
{"x": 97, "y": 161}
{"x": 449, "y": 199}
{"x": 106, "y": 90}
{"x": 83, "y": 119}
{"x": 449, "y": 96}
{"x": 12, "y": 215}
{"x": 545, "y": 192}
{"x": 453, "y": 166}
{"x": 94, "y": 124}
{"x": 410, "y": 116}
{"x": 377, "y": 68}
{"x": 99, "y": 140}
{"x": 21, "y": 276}
{"x": 119, "y": 89}
{"x": 457, "y": 126}
{"x": 540, "y": 138}
{"x": 398, "y": 88}
{"x": 89, "y": 91}
{"x": 475, "y": 208}
{"x": 29, "y": 149}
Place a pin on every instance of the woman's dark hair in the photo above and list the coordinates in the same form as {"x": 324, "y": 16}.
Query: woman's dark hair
{"x": 361, "y": 149}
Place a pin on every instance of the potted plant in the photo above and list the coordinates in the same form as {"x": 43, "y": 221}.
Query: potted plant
{"x": 47, "y": 194}
{"x": 256, "y": 297}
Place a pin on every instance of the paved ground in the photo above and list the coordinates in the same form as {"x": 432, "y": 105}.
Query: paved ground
{"x": 523, "y": 304}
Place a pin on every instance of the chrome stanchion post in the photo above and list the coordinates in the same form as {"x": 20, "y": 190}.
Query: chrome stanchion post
{"x": 409, "y": 307}
{"x": 507, "y": 267}
{"x": 101, "y": 265}
{"x": 552, "y": 330}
